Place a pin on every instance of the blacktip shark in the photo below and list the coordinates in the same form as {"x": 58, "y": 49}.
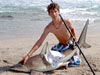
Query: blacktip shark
{"x": 40, "y": 64}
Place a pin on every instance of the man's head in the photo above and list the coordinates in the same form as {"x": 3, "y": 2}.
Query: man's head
{"x": 52, "y": 6}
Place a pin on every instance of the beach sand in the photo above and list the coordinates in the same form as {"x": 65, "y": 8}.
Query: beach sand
{"x": 13, "y": 50}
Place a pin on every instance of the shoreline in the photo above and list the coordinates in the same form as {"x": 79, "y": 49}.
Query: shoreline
{"x": 28, "y": 27}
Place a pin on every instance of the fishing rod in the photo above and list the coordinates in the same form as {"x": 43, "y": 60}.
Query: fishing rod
{"x": 76, "y": 43}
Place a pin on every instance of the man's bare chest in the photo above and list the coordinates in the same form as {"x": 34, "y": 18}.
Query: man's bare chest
{"x": 61, "y": 30}
{"x": 61, "y": 33}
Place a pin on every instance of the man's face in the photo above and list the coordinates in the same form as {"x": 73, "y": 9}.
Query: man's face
{"x": 54, "y": 13}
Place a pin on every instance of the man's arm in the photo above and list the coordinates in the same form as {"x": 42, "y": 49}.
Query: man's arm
{"x": 39, "y": 42}
{"x": 36, "y": 46}
{"x": 72, "y": 29}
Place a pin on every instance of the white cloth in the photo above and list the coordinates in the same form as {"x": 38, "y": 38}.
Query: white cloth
{"x": 54, "y": 57}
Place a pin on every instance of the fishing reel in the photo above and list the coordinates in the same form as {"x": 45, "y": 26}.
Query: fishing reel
{"x": 71, "y": 44}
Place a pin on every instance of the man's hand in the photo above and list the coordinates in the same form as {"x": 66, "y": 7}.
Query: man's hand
{"x": 24, "y": 60}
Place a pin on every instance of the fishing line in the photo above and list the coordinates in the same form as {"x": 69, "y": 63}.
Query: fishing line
{"x": 76, "y": 43}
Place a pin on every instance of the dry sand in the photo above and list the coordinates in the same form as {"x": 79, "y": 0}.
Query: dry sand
{"x": 13, "y": 50}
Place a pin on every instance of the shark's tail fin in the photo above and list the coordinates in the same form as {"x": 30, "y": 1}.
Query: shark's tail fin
{"x": 82, "y": 38}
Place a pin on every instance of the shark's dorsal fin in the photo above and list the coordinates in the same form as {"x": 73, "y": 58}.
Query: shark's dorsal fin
{"x": 82, "y": 38}
{"x": 44, "y": 49}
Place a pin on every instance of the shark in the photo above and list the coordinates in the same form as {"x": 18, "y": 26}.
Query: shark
{"x": 40, "y": 64}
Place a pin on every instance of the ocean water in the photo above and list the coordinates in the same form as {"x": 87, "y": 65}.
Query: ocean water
{"x": 29, "y": 17}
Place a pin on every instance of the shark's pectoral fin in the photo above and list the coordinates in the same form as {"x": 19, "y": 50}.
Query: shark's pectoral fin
{"x": 36, "y": 72}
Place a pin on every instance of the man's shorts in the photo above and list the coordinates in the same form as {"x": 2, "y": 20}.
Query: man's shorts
{"x": 74, "y": 60}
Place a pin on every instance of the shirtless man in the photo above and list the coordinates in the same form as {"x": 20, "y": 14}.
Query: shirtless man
{"x": 57, "y": 27}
